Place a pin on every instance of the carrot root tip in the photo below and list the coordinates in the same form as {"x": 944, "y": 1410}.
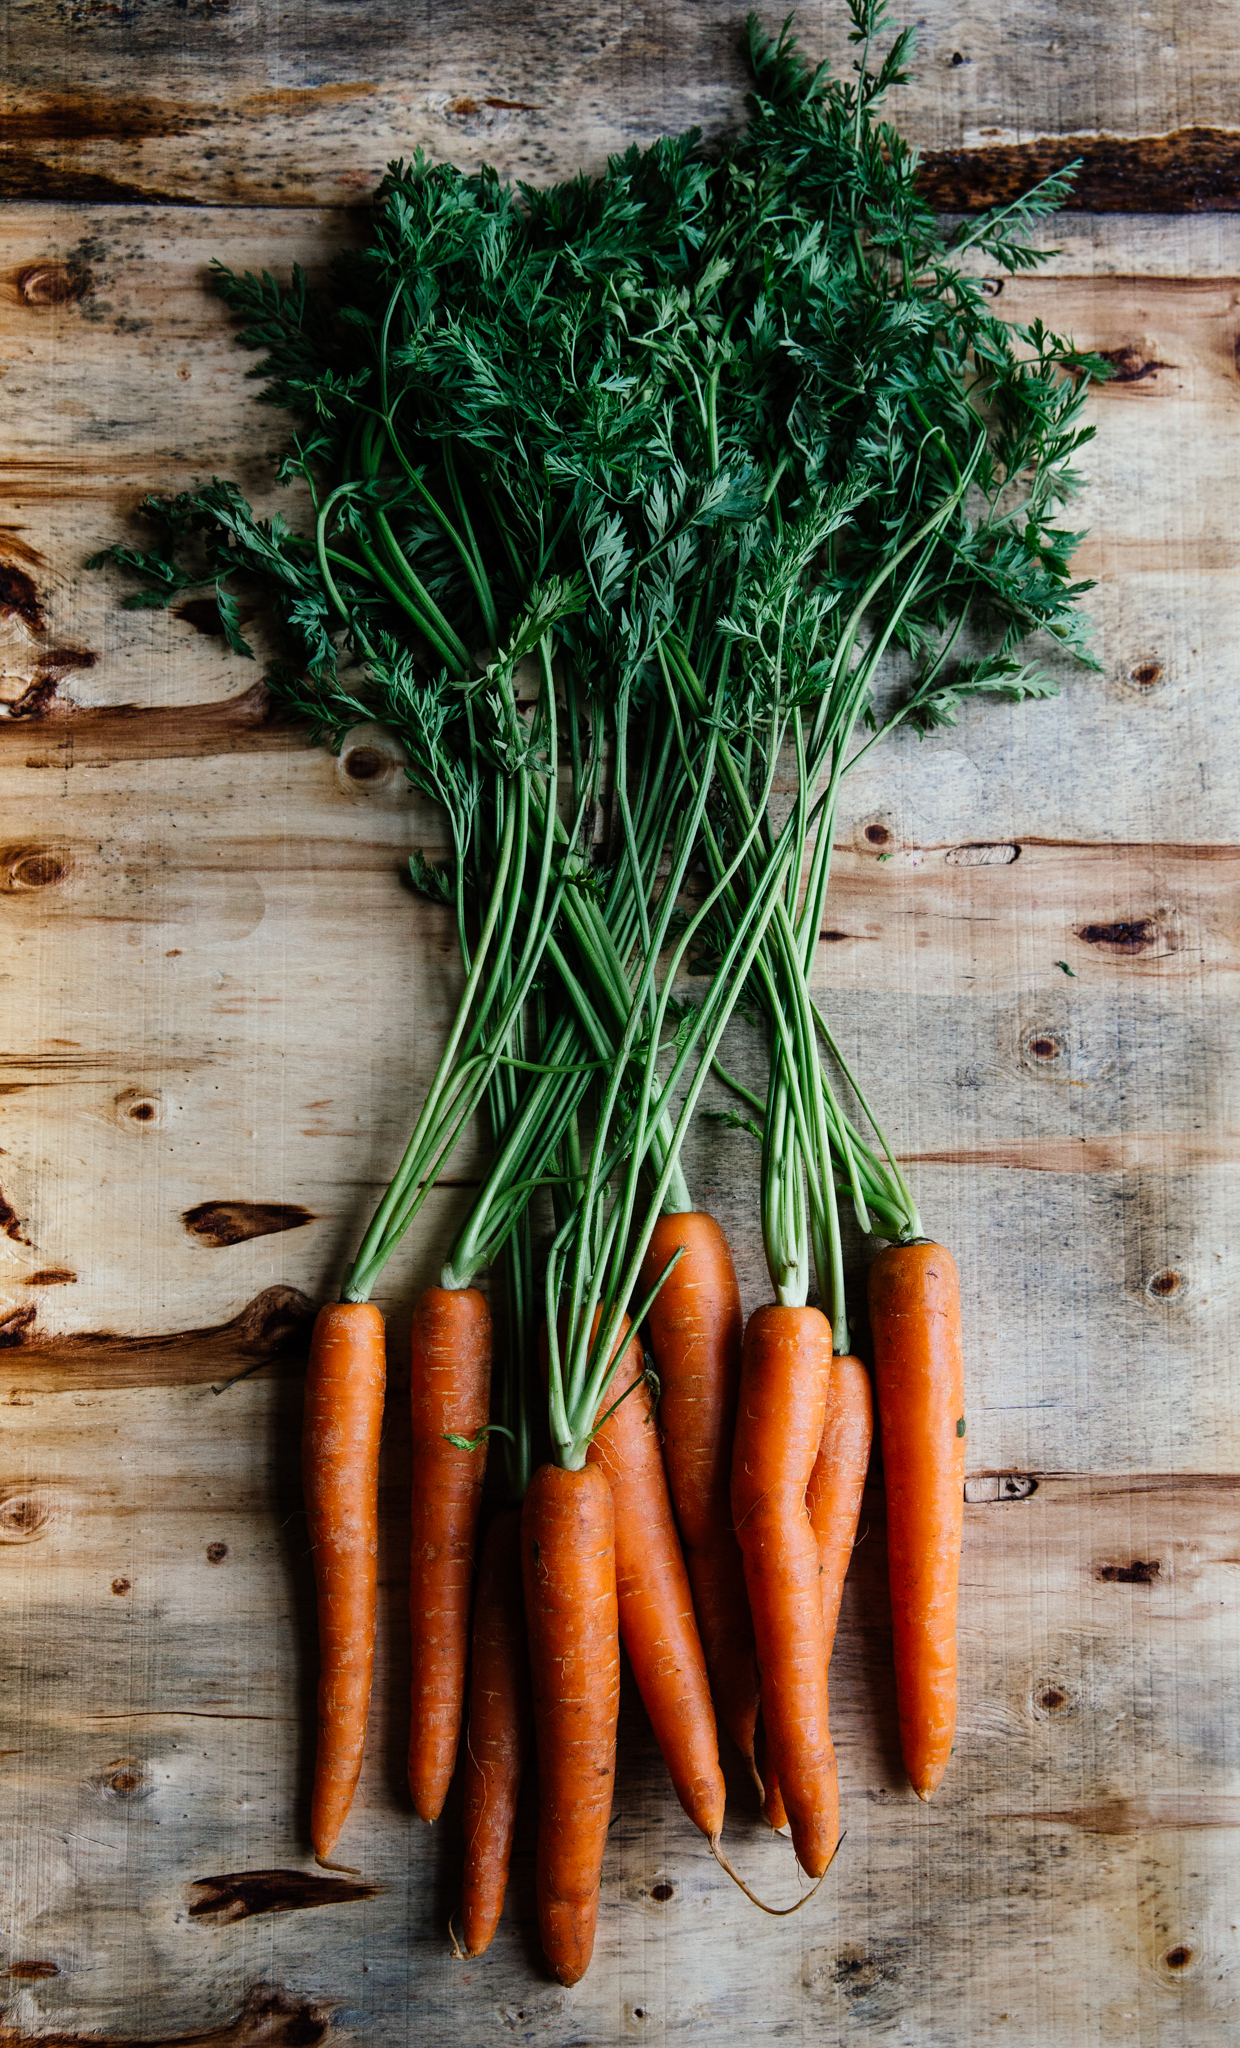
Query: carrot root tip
{"x": 776, "y": 1912}
{"x": 347, "y": 1868}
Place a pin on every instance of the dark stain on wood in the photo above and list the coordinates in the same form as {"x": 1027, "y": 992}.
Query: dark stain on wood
{"x": 124, "y": 1779}
{"x": 275, "y": 1326}
{"x": 98, "y": 735}
{"x": 51, "y": 1276}
{"x": 1129, "y": 366}
{"x": 1191, "y": 170}
{"x": 14, "y": 1324}
{"x": 270, "y": 2018}
{"x": 240, "y": 1894}
{"x": 1141, "y": 1572}
{"x": 31, "y": 1971}
{"x": 35, "y": 702}
{"x": 29, "y": 179}
{"x": 225, "y": 1223}
{"x": 13, "y": 546}
{"x": 1136, "y": 935}
{"x": 83, "y": 117}
{"x": 57, "y": 661}
{"x": 32, "y": 867}
{"x": 52, "y": 284}
{"x": 19, "y": 594}
{"x": 203, "y": 614}
{"x": 25, "y": 1515}
{"x": 10, "y": 1222}
{"x": 1137, "y": 1816}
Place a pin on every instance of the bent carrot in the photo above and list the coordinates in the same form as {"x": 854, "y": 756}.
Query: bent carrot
{"x": 449, "y": 1393}
{"x": 837, "y": 1482}
{"x": 833, "y": 1503}
{"x": 657, "y": 1625}
{"x": 785, "y": 1378}
{"x": 340, "y": 1479}
{"x": 696, "y": 1331}
{"x": 498, "y": 1735}
{"x": 568, "y": 1557}
{"x": 915, "y": 1318}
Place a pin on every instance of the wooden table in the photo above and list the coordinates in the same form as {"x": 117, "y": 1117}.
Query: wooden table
{"x": 221, "y": 1006}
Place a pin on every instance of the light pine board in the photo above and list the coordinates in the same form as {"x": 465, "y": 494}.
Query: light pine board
{"x": 188, "y": 1018}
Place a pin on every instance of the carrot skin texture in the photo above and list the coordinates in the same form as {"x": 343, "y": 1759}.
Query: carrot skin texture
{"x": 773, "y": 1809}
{"x": 785, "y": 1379}
{"x": 342, "y": 1423}
{"x": 657, "y": 1624}
{"x": 450, "y": 1387}
{"x": 697, "y": 1330}
{"x": 837, "y": 1482}
{"x": 568, "y": 1559}
{"x": 915, "y": 1317}
{"x": 500, "y": 1724}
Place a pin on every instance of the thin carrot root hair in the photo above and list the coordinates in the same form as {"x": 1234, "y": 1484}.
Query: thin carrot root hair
{"x": 459, "y": 1954}
{"x": 776, "y": 1912}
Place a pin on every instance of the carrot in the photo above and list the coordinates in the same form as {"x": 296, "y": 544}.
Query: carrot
{"x": 833, "y": 1503}
{"x": 568, "y": 1557}
{"x": 449, "y": 1392}
{"x": 773, "y": 1808}
{"x": 340, "y": 1479}
{"x": 696, "y": 1331}
{"x": 499, "y": 1729}
{"x": 915, "y": 1318}
{"x": 837, "y": 1482}
{"x": 657, "y": 1625}
{"x": 785, "y": 1378}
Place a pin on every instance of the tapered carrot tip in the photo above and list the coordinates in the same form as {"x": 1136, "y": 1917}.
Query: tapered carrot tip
{"x": 568, "y": 1937}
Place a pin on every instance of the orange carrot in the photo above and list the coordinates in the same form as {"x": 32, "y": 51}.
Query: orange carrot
{"x": 499, "y": 1729}
{"x": 696, "y": 1331}
{"x": 785, "y": 1379}
{"x": 773, "y": 1808}
{"x": 915, "y": 1318}
{"x": 837, "y": 1481}
{"x": 657, "y": 1625}
{"x": 449, "y": 1392}
{"x": 833, "y": 1503}
{"x": 340, "y": 1479}
{"x": 568, "y": 1557}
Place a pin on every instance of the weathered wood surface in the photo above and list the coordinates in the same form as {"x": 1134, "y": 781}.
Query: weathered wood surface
{"x": 205, "y": 1082}
{"x": 236, "y": 104}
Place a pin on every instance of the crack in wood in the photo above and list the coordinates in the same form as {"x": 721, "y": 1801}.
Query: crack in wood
{"x": 241, "y": 1894}
{"x": 270, "y": 2018}
{"x": 227, "y": 1223}
{"x": 1190, "y": 170}
{"x": 274, "y": 1327}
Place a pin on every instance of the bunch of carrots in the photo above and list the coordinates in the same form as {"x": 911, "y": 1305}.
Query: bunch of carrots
{"x": 641, "y": 509}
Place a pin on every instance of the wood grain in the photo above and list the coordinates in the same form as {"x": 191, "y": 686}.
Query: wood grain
{"x": 153, "y": 102}
{"x": 1058, "y": 1804}
{"x": 189, "y": 1030}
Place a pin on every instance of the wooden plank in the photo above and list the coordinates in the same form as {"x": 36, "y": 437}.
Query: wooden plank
{"x": 1065, "y": 1825}
{"x": 1162, "y": 473}
{"x": 203, "y": 1092}
{"x": 160, "y": 102}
